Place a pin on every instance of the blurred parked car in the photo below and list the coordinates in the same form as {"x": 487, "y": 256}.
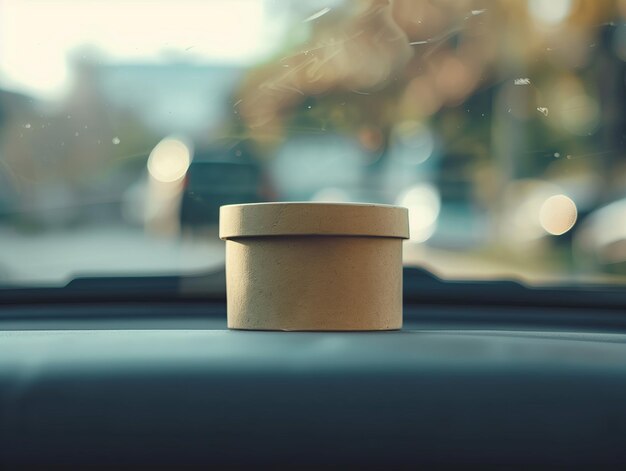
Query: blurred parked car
{"x": 210, "y": 184}
{"x": 601, "y": 242}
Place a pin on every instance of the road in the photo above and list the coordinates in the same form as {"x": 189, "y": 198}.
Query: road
{"x": 55, "y": 257}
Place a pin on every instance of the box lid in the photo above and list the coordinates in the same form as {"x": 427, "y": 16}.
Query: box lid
{"x": 293, "y": 218}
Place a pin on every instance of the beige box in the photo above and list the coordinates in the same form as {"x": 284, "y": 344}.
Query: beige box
{"x": 314, "y": 266}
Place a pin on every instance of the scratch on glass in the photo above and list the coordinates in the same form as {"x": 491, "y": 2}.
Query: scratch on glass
{"x": 439, "y": 38}
{"x": 317, "y": 15}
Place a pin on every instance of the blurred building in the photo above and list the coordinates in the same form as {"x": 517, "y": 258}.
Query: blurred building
{"x": 73, "y": 160}
{"x": 179, "y": 98}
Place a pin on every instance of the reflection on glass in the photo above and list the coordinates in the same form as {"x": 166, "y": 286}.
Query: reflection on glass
{"x": 558, "y": 214}
{"x": 169, "y": 160}
{"x": 424, "y": 205}
{"x": 550, "y": 11}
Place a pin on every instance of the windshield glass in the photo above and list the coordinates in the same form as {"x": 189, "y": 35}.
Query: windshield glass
{"x": 500, "y": 125}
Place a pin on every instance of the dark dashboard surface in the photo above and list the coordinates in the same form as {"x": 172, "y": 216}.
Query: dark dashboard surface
{"x": 201, "y": 395}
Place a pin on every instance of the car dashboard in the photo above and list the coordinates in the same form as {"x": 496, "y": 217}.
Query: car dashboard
{"x": 129, "y": 385}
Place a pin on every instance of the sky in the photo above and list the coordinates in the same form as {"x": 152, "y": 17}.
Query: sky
{"x": 39, "y": 37}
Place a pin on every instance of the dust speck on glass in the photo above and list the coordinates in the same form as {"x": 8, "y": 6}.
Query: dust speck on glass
{"x": 500, "y": 125}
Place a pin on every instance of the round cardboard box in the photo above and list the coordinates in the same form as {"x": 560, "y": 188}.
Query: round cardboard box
{"x": 314, "y": 266}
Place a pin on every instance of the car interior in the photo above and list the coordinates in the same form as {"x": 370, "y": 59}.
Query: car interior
{"x": 499, "y": 127}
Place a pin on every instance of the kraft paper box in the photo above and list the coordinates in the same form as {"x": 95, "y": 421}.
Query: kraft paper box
{"x": 314, "y": 266}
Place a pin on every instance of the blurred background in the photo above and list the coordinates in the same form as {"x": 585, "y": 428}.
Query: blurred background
{"x": 501, "y": 125}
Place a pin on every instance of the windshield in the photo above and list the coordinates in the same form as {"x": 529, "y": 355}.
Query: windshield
{"x": 500, "y": 125}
